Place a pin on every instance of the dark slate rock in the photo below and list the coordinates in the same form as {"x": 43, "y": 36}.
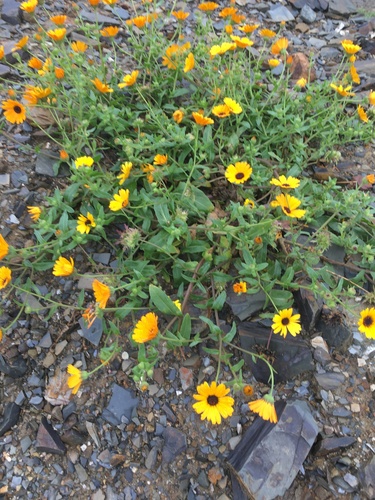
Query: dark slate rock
{"x": 150, "y": 462}
{"x": 174, "y": 444}
{"x": 73, "y": 438}
{"x": 330, "y": 380}
{"x": 169, "y": 413}
{"x": 45, "y": 162}
{"x": 290, "y": 356}
{"x": 342, "y": 7}
{"x": 10, "y": 417}
{"x": 121, "y": 404}
{"x": 18, "y": 178}
{"x": 367, "y": 480}
{"x": 270, "y": 456}
{"x": 245, "y": 305}
{"x": 309, "y": 307}
{"x": 366, "y": 66}
{"x": 92, "y": 334}
{"x": 280, "y": 13}
{"x": 4, "y": 70}
{"x": 46, "y": 341}
{"x": 121, "y": 13}
{"x": 334, "y": 330}
{"x": 48, "y": 440}
{"x": 69, "y": 409}
{"x": 327, "y": 445}
{"x": 10, "y": 12}
{"x": 14, "y": 369}
{"x": 95, "y": 17}
{"x": 307, "y": 14}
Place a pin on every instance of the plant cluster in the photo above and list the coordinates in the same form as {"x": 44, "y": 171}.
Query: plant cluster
{"x": 191, "y": 166}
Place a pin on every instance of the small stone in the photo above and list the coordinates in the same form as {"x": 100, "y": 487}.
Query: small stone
{"x": 307, "y": 14}
{"x": 96, "y": 18}
{"x": 174, "y": 444}
{"x": 92, "y": 334}
{"x": 91, "y": 429}
{"x": 355, "y": 407}
{"x": 151, "y": 458}
{"x": 330, "y": 380}
{"x": 327, "y": 445}
{"x": 15, "y": 368}
{"x": 302, "y": 27}
{"x": 10, "y": 12}
{"x": 121, "y": 404}
{"x": 46, "y": 341}
{"x": 351, "y": 480}
{"x": 19, "y": 178}
{"x": 4, "y": 178}
{"x": 187, "y": 378}
{"x": 233, "y": 442}
{"x": 49, "y": 360}
{"x": 10, "y": 417}
{"x": 60, "y": 347}
{"x": 48, "y": 440}
{"x": 280, "y": 13}
{"x": 343, "y": 8}
{"x": 81, "y": 473}
{"x": 102, "y": 258}
{"x": 25, "y": 443}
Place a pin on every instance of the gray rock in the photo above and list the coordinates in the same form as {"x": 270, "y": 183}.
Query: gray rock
{"x": 81, "y": 473}
{"x": 10, "y": 417}
{"x": 102, "y": 258}
{"x": 4, "y": 70}
{"x": 270, "y": 456}
{"x": 330, "y": 444}
{"x": 121, "y": 13}
{"x": 316, "y": 42}
{"x": 10, "y": 12}
{"x": 342, "y": 7}
{"x": 367, "y": 479}
{"x": 96, "y": 17}
{"x": 280, "y": 13}
{"x": 25, "y": 443}
{"x": 307, "y": 14}
{"x": 15, "y": 368}
{"x": 46, "y": 341}
{"x": 174, "y": 444}
{"x": 4, "y": 178}
{"x": 48, "y": 440}
{"x": 151, "y": 458}
{"x": 309, "y": 307}
{"x": 367, "y": 66}
{"x": 330, "y": 380}
{"x": 92, "y": 334}
{"x": 45, "y": 162}
{"x": 334, "y": 329}
{"x": 18, "y": 178}
{"x": 121, "y": 404}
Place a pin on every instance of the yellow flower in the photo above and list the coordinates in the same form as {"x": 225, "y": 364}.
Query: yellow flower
{"x": 102, "y": 293}
{"x": 280, "y": 46}
{"x": 146, "y": 329}
{"x": 125, "y": 171}
{"x": 109, "y": 31}
{"x": 366, "y": 323}
{"x": 4, "y": 247}
{"x": 221, "y": 49}
{"x": 362, "y": 114}
{"x": 202, "y": 120}
{"x": 178, "y": 115}
{"x": 148, "y": 169}
{"x": 14, "y": 111}
{"x": 180, "y": 15}
{"x": 139, "y": 21}
{"x": 240, "y": 287}
{"x": 249, "y": 203}
{"x": 227, "y": 12}
{"x": 63, "y": 267}
{"x": 189, "y": 63}
{"x": 221, "y": 111}
{"x": 59, "y": 20}
{"x": 273, "y": 63}
{"x": 173, "y": 53}
{"x": 35, "y": 63}
{"x": 109, "y": 2}
{"x": 76, "y": 378}
{"x": 234, "y": 107}
{"x": 266, "y": 33}
{"x": 289, "y": 205}
{"x": 34, "y": 212}
{"x": 2, "y": 51}
{"x": 5, "y": 277}
{"x": 229, "y": 29}
{"x": 160, "y": 159}
{"x": 102, "y": 87}
{"x": 20, "y": 44}
{"x": 79, "y": 46}
{"x": 129, "y": 80}
{"x": 354, "y": 75}
{"x": 238, "y": 173}
{"x": 46, "y": 67}
{"x": 85, "y": 223}
{"x": 285, "y": 183}
{"x": 84, "y": 161}
{"x": 120, "y": 200}
{"x": 208, "y": 6}
{"x": 213, "y": 403}
{"x": 265, "y": 408}
{"x": 349, "y": 47}
{"x": 177, "y": 303}
{"x": 1, "y": 334}
{"x": 301, "y": 82}
{"x": 243, "y": 42}
{"x": 370, "y": 178}
{"x": 248, "y": 28}
{"x": 57, "y": 35}
{"x": 29, "y": 6}
{"x": 285, "y": 322}
{"x": 344, "y": 92}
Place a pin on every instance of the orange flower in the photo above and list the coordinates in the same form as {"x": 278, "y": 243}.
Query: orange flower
{"x": 370, "y": 178}
{"x": 243, "y": 42}
{"x": 29, "y": 6}
{"x": 208, "y": 6}
{"x": 248, "y": 28}
{"x": 21, "y": 44}
{"x": 371, "y": 98}
{"x": 102, "y": 87}
{"x": 2, "y": 51}
{"x": 58, "y": 20}
{"x": 178, "y": 115}
{"x": 4, "y": 247}
{"x": 248, "y": 390}
{"x": 180, "y": 15}
{"x": 35, "y": 63}
{"x": 228, "y": 12}
{"x": 63, "y": 155}
{"x": 129, "y": 80}
{"x": 266, "y": 33}
{"x": 57, "y": 35}
{"x": 146, "y": 329}
{"x": 202, "y": 120}
{"x": 14, "y": 111}
{"x": 102, "y": 293}
{"x": 94, "y": 3}
{"x": 110, "y": 31}
{"x": 240, "y": 287}
{"x": 148, "y": 169}
{"x": 258, "y": 240}
{"x": 160, "y": 159}
{"x": 354, "y": 75}
{"x": 362, "y": 114}
{"x": 59, "y": 73}
{"x": 79, "y": 46}
{"x": 139, "y": 21}
{"x": 280, "y": 46}
{"x": 189, "y": 63}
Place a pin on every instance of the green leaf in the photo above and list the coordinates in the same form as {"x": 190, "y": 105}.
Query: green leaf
{"x": 237, "y": 367}
{"x": 185, "y": 329}
{"x": 162, "y": 214}
{"x": 162, "y": 302}
{"x": 211, "y": 351}
{"x": 281, "y": 298}
{"x": 230, "y": 335}
{"x": 219, "y": 301}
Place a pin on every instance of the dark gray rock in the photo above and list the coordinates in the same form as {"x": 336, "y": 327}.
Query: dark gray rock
{"x": 330, "y": 380}
{"x": 73, "y": 438}
{"x": 96, "y": 17}
{"x": 342, "y": 8}
{"x": 367, "y": 479}
{"x": 334, "y": 330}
{"x": 280, "y": 13}
{"x": 327, "y": 445}
{"x": 174, "y": 444}
{"x": 10, "y": 12}
{"x": 45, "y": 164}
{"x": 307, "y": 14}
{"x": 48, "y": 439}
{"x": 10, "y": 417}
{"x": 367, "y": 66}
{"x": 92, "y": 334}
{"x": 121, "y": 404}
{"x": 121, "y": 13}
{"x": 18, "y": 178}
{"x": 309, "y": 307}
{"x": 150, "y": 462}
{"x": 270, "y": 456}
{"x": 15, "y": 368}
{"x": 4, "y": 70}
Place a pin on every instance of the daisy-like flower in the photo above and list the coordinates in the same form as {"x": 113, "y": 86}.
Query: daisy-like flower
{"x": 63, "y": 267}
{"x": 285, "y": 322}
{"x": 371, "y": 98}
{"x": 47, "y": 65}
{"x": 139, "y": 21}
{"x": 301, "y": 82}
{"x": 249, "y": 28}
{"x": 228, "y": 12}
{"x": 180, "y": 15}
{"x": 249, "y": 203}
{"x": 234, "y": 107}
{"x": 21, "y": 43}
{"x": 349, "y": 47}
{"x": 213, "y": 404}
{"x": 102, "y": 87}
{"x": 102, "y": 293}
{"x": 76, "y": 377}
{"x": 362, "y": 114}
{"x": 29, "y": 6}
{"x": 265, "y": 408}
{"x": 59, "y": 20}
{"x": 208, "y": 6}
{"x": 129, "y": 80}
{"x": 243, "y": 42}
{"x": 366, "y": 323}
{"x": 240, "y": 287}
{"x": 280, "y": 46}
{"x": 173, "y": 54}
{"x": 125, "y": 171}
{"x": 59, "y": 73}
{"x": 344, "y": 92}
{"x": 5, "y": 276}
{"x": 266, "y": 33}
{"x": 79, "y": 46}
{"x": 238, "y": 18}
{"x": 84, "y": 161}
{"x": 14, "y": 111}
{"x": 110, "y": 31}
{"x": 189, "y": 63}
{"x": 202, "y": 120}
{"x": 34, "y": 212}
{"x": 146, "y": 329}
{"x": 221, "y": 111}
{"x": 120, "y": 200}
{"x": 4, "y": 247}
{"x": 160, "y": 159}
{"x": 289, "y": 205}
{"x": 238, "y": 173}
{"x": 35, "y": 63}
{"x": 178, "y": 116}
{"x": 354, "y": 75}
{"x": 222, "y": 49}
{"x": 57, "y": 35}
{"x": 285, "y": 183}
{"x": 148, "y": 169}
{"x": 273, "y": 63}
{"x": 85, "y": 223}
{"x": 229, "y": 29}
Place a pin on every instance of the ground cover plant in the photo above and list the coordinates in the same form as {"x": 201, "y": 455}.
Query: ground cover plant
{"x": 191, "y": 166}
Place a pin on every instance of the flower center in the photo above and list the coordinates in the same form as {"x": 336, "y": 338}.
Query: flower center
{"x": 87, "y": 222}
{"x": 367, "y": 321}
{"x": 212, "y": 400}
{"x": 240, "y": 175}
{"x": 285, "y": 185}
{"x": 17, "y": 109}
{"x": 287, "y": 210}
{"x": 285, "y": 321}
